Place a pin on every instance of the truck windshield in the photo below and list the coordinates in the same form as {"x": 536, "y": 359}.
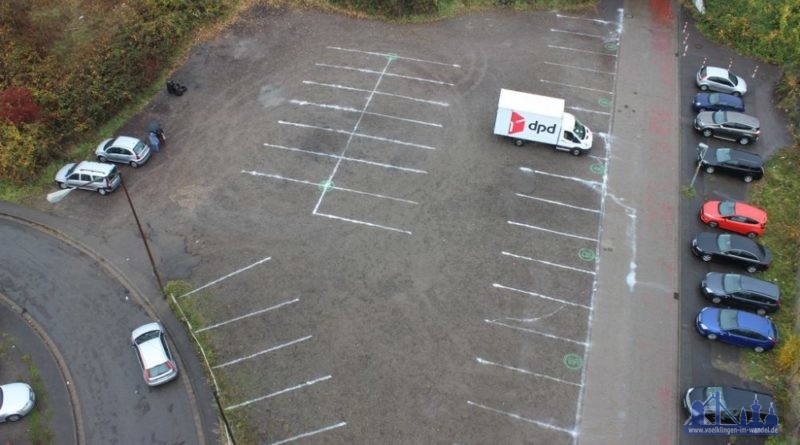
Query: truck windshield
{"x": 580, "y": 130}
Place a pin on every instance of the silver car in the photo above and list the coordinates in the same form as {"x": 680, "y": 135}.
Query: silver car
{"x": 16, "y": 400}
{"x": 125, "y": 150}
{"x": 102, "y": 178}
{"x": 150, "y": 343}
{"x": 719, "y": 79}
{"x": 728, "y": 125}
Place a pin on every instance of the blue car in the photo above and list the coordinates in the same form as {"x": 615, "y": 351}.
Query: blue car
{"x": 717, "y": 102}
{"x": 737, "y": 328}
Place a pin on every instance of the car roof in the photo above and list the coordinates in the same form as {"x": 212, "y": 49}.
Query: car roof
{"x": 753, "y": 322}
{"x": 735, "y": 116}
{"x": 94, "y": 167}
{"x": 152, "y": 352}
{"x": 762, "y": 287}
{"x": 749, "y": 211}
{"x": 736, "y": 398}
{"x": 716, "y": 71}
{"x": 744, "y": 243}
{"x": 126, "y": 142}
{"x": 745, "y": 158}
{"x": 729, "y": 99}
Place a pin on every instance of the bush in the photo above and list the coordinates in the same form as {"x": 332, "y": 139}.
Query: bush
{"x": 17, "y": 106}
{"x": 23, "y": 150}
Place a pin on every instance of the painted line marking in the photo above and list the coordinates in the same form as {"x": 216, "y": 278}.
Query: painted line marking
{"x": 274, "y": 348}
{"x": 579, "y": 68}
{"x": 549, "y": 201}
{"x": 528, "y": 226}
{"x": 354, "y": 134}
{"x": 379, "y": 93}
{"x": 525, "y": 371}
{"x": 251, "y": 314}
{"x": 582, "y": 34}
{"x": 604, "y": 22}
{"x": 346, "y": 158}
{"x": 277, "y": 393}
{"x": 571, "y": 178}
{"x": 369, "y": 113}
{"x": 355, "y": 221}
{"x": 546, "y": 425}
{"x": 227, "y": 276}
{"x": 577, "y": 86}
{"x": 310, "y": 433}
{"x": 369, "y": 71}
{"x": 576, "y": 269}
{"x": 533, "y": 331}
{"x": 372, "y": 53}
{"x": 329, "y": 186}
{"x": 584, "y": 110}
{"x": 538, "y": 295}
{"x": 582, "y": 50}
{"x": 599, "y": 158}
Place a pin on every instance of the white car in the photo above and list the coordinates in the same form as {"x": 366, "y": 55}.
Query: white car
{"x": 719, "y": 79}
{"x": 125, "y": 150}
{"x": 16, "y": 400}
{"x": 150, "y": 343}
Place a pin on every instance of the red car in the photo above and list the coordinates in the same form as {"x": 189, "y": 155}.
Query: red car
{"x": 734, "y": 216}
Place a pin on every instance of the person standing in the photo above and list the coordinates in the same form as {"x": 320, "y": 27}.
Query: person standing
{"x": 154, "y": 142}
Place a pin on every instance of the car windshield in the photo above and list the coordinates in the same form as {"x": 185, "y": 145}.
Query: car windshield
{"x": 726, "y": 208}
{"x": 580, "y": 130}
{"x": 724, "y": 242}
{"x": 732, "y": 282}
{"x": 723, "y": 155}
{"x": 713, "y": 99}
{"x": 138, "y": 147}
{"x": 719, "y": 117}
{"x": 728, "y": 319}
{"x": 710, "y": 393}
{"x": 734, "y": 80}
{"x": 146, "y": 336}
{"x": 159, "y": 370}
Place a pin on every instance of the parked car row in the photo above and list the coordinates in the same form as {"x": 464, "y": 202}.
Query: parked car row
{"x": 740, "y": 304}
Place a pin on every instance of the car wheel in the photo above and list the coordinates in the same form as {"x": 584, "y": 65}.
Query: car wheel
{"x": 758, "y": 349}
{"x": 752, "y": 235}
{"x": 748, "y": 178}
{"x": 519, "y": 142}
{"x": 102, "y": 158}
{"x": 102, "y": 191}
{"x": 751, "y": 269}
{"x": 744, "y": 140}
{"x": 711, "y": 336}
{"x": 13, "y": 418}
{"x": 737, "y": 94}
{"x": 709, "y": 169}
{"x": 713, "y": 224}
{"x": 134, "y": 164}
{"x": 703, "y": 87}
{"x": 575, "y": 152}
{"x": 707, "y": 133}
{"x": 716, "y": 300}
{"x": 62, "y": 185}
{"x": 761, "y": 311}
{"x": 706, "y": 258}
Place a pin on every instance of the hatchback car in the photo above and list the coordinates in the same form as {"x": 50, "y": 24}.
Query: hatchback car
{"x": 125, "y": 150}
{"x": 719, "y": 79}
{"x": 717, "y": 102}
{"x": 150, "y": 343}
{"x": 16, "y": 400}
{"x": 738, "y": 328}
{"x": 102, "y": 178}
{"x": 733, "y": 248}
{"x": 732, "y": 401}
{"x": 734, "y": 216}
{"x": 748, "y": 166}
{"x": 741, "y": 291}
{"x": 729, "y": 125}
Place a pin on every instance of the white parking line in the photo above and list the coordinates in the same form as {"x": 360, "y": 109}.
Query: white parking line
{"x": 604, "y": 22}
{"x": 556, "y": 232}
{"x": 599, "y": 158}
{"x": 582, "y": 50}
{"x": 372, "y": 53}
{"x": 277, "y": 393}
{"x": 368, "y": 71}
{"x": 582, "y": 34}
{"x": 346, "y": 158}
{"x": 585, "y": 110}
{"x": 310, "y": 433}
{"x": 592, "y": 184}
{"x": 538, "y": 295}
{"x": 364, "y": 223}
{"x": 251, "y": 314}
{"x": 576, "y": 269}
{"x": 226, "y": 276}
{"x": 378, "y": 93}
{"x": 369, "y": 113}
{"x": 533, "y": 331}
{"x": 611, "y": 93}
{"x": 578, "y": 68}
{"x": 546, "y": 425}
{"x": 360, "y": 135}
{"x": 274, "y": 348}
{"x": 525, "y": 371}
{"x": 559, "y": 203}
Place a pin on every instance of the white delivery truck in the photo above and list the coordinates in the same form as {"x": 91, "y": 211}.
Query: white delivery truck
{"x": 530, "y": 117}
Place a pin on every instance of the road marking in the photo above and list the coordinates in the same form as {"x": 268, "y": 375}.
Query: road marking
{"x": 533, "y": 331}
{"x": 556, "y": 232}
{"x": 546, "y": 425}
{"x": 251, "y": 314}
{"x": 582, "y": 34}
{"x": 599, "y": 158}
{"x": 274, "y": 348}
{"x": 579, "y": 68}
{"x": 582, "y": 50}
{"x": 577, "y": 86}
{"x": 277, "y": 393}
{"x": 576, "y": 269}
{"x": 227, "y": 276}
{"x": 329, "y": 186}
{"x": 352, "y": 134}
{"x": 538, "y": 295}
{"x": 379, "y": 93}
{"x": 604, "y": 22}
{"x": 369, "y": 113}
{"x": 549, "y": 201}
{"x": 592, "y": 184}
{"x": 372, "y": 53}
{"x": 310, "y": 433}
{"x": 368, "y": 71}
{"x": 365, "y": 223}
{"x": 584, "y": 110}
{"x": 346, "y": 158}
{"x": 525, "y": 371}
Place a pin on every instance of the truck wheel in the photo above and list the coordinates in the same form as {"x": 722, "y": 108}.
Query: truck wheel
{"x": 519, "y": 142}
{"x": 575, "y": 152}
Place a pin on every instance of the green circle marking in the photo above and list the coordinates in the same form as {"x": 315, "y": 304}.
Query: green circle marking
{"x": 598, "y": 168}
{"x": 573, "y": 361}
{"x": 586, "y": 254}
{"x": 604, "y": 102}
{"x": 325, "y": 185}
{"x": 611, "y": 46}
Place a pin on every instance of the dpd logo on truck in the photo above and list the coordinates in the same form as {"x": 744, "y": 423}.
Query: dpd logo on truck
{"x": 517, "y": 125}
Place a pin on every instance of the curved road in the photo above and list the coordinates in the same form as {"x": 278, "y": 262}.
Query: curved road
{"x": 89, "y": 317}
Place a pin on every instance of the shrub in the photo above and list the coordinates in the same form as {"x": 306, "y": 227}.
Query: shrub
{"x": 17, "y": 106}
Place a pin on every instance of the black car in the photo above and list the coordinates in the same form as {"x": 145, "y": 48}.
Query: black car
{"x": 732, "y": 401}
{"x": 728, "y": 125}
{"x": 742, "y": 291}
{"x": 747, "y": 166}
{"x": 717, "y": 102}
{"x": 730, "y": 247}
